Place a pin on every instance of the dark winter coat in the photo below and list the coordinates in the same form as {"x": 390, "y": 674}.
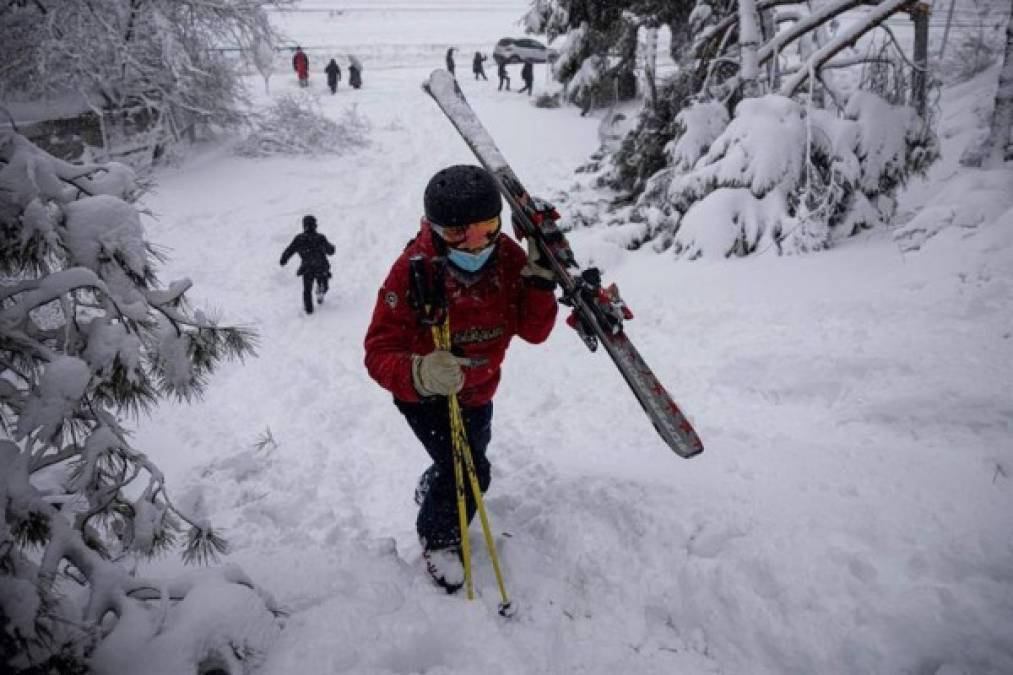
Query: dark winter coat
{"x": 450, "y": 60}
{"x": 354, "y": 79}
{"x": 313, "y": 249}
{"x": 528, "y": 72}
{"x": 333, "y": 71}
{"x": 484, "y": 315}
{"x": 476, "y": 64}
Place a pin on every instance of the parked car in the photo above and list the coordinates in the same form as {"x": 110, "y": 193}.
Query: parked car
{"x": 516, "y": 50}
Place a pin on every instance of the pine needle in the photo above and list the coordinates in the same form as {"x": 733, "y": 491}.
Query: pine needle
{"x": 203, "y": 546}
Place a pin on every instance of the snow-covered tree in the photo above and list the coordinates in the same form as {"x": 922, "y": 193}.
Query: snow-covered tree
{"x": 597, "y": 58}
{"x": 779, "y": 175}
{"x": 88, "y": 337}
{"x": 150, "y": 68}
{"x": 740, "y": 154}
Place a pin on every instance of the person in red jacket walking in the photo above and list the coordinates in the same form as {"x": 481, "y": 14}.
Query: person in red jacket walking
{"x": 301, "y": 65}
{"x": 493, "y": 291}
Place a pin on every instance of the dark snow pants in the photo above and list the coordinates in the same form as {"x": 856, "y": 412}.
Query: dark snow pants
{"x": 307, "y": 288}
{"x": 437, "y": 523}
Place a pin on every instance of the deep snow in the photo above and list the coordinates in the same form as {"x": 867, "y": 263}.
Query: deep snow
{"x": 852, "y": 511}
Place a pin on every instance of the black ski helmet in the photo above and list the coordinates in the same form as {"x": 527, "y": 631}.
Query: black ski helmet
{"x": 461, "y": 195}
{"x": 309, "y": 223}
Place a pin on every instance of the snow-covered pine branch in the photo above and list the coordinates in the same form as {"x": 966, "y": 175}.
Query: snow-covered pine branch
{"x": 88, "y": 335}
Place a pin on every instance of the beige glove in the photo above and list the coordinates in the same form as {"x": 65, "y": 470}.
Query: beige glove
{"x": 438, "y": 373}
{"x": 536, "y": 270}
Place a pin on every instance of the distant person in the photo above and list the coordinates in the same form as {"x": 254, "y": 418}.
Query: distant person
{"x": 450, "y": 60}
{"x": 504, "y": 77}
{"x": 313, "y": 249}
{"x": 528, "y": 75}
{"x": 301, "y": 66}
{"x": 477, "y": 67}
{"x": 354, "y": 72}
{"x": 333, "y": 71}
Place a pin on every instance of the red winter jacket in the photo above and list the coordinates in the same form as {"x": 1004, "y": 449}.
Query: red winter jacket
{"x": 301, "y": 64}
{"x": 484, "y": 316}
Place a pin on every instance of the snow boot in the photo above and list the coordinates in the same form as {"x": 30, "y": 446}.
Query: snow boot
{"x": 446, "y": 567}
{"x": 425, "y": 480}
{"x": 320, "y": 297}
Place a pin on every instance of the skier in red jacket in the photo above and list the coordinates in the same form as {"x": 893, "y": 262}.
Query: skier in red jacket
{"x": 493, "y": 292}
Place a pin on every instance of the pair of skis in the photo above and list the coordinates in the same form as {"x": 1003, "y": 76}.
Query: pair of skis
{"x": 598, "y": 312}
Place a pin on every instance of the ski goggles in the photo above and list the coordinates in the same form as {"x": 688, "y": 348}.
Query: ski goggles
{"x": 469, "y": 237}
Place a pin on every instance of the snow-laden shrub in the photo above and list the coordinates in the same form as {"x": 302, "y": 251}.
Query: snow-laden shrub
{"x": 296, "y": 125}
{"x": 780, "y": 175}
{"x": 88, "y": 335}
{"x": 643, "y": 151}
{"x": 571, "y": 54}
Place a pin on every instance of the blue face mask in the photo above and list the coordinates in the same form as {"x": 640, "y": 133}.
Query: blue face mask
{"x": 470, "y": 262}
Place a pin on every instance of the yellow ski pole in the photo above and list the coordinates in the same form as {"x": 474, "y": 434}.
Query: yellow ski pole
{"x": 504, "y": 607}
{"x": 462, "y": 454}
{"x": 441, "y": 340}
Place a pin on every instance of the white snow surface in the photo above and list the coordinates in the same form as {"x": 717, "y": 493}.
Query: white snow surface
{"x": 851, "y": 513}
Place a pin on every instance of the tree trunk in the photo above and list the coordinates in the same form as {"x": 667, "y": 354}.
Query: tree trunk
{"x": 749, "y": 42}
{"x": 651, "y": 61}
{"x": 999, "y": 145}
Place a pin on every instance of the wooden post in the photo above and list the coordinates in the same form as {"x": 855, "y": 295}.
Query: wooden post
{"x": 919, "y": 76}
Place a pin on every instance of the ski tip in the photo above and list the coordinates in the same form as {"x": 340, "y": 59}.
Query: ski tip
{"x": 440, "y": 81}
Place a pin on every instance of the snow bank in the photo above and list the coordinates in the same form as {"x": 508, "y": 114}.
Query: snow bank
{"x": 220, "y": 622}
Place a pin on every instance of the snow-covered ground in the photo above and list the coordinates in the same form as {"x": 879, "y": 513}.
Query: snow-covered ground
{"x": 852, "y": 512}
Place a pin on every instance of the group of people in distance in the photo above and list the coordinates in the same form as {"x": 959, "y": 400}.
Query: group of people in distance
{"x": 478, "y": 68}
{"x": 301, "y": 66}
